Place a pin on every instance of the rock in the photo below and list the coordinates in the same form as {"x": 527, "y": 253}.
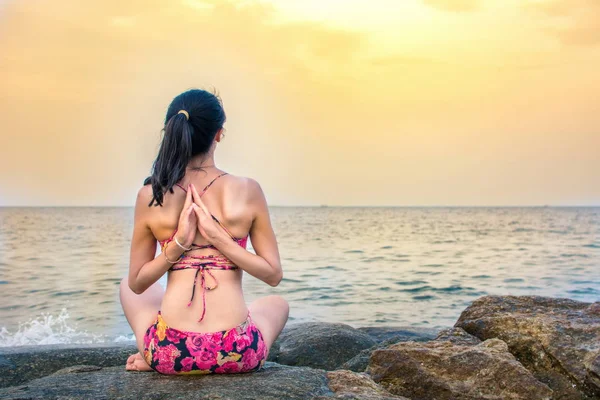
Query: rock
{"x": 22, "y": 363}
{"x": 458, "y": 336}
{"x": 319, "y": 344}
{"x": 384, "y": 336}
{"x": 351, "y": 385}
{"x": 400, "y": 333}
{"x": 274, "y": 350}
{"x": 273, "y": 382}
{"x": 77, "y": 368}
{"x": 444, "y": 370}
{"x": 359, "y": 362}
{"x": 557, "y": 339}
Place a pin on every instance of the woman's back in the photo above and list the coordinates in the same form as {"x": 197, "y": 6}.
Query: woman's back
{"x": 225, "y": 196}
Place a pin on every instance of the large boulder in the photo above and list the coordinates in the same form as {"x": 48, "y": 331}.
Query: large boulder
{"x": 458, "y": 336}
{"x": 356, "y": 386}
{"x": 386, "y": 337}
{"x": 319, "y": 344}
{"x": 23, "y": 363}
{"x": 273, "y": 382}
{"x": 557, "y": 339}
{"x": 445, "y": 370}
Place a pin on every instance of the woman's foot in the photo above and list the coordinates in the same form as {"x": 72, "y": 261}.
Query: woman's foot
{"x": 136, "y": 362}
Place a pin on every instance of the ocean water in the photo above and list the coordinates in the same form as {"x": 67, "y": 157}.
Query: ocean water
{"x": 60, "y": 267}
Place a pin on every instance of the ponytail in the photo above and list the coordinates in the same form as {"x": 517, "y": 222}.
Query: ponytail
{"x": 173, "y": 157}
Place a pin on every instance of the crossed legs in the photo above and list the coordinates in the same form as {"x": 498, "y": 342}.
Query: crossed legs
{"x": 140, "y": 311}
{"x": 269, "y": 313}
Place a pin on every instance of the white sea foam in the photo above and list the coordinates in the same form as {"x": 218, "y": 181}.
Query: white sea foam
{"x": 123, "y": 338}
{"x": 51, "y": 329}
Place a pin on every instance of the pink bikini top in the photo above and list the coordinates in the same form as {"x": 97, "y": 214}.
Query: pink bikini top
{"x": 204, "y": 263}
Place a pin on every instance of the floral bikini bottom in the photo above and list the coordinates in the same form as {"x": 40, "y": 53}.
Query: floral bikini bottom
{"x": 174, "y": 352}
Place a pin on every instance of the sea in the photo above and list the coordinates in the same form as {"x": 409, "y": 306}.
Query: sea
{"x": 364, "y": 266}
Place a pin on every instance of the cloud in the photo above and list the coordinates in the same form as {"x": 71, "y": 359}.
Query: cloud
{"x": 572, "y": 22}
{"x": 113, "y": 35}
{"x": 407, "y": 61}
{"x": 550, "y": 8}
{"x": 402, "y": 61}
{"x": 453, "y": 5}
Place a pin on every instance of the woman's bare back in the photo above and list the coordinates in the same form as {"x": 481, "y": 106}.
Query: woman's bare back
{"x": 225, "y": 198}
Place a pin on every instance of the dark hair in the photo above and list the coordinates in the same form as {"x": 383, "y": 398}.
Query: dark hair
{"x": 184, "y": 138}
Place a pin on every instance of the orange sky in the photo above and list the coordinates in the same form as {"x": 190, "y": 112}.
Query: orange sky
{"x": 413, "y": 102}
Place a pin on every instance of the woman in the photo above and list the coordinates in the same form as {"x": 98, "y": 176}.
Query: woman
{"x": 202, "y": 217}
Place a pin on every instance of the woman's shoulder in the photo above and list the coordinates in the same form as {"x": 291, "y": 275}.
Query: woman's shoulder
{"x": 145, "y": 192}
{"x": 247, "y": 187}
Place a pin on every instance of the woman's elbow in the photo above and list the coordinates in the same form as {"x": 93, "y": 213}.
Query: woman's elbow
{"x": 134, "y": 287}
{"x": 138, "y": 292}
{"x": 276, "y": 277}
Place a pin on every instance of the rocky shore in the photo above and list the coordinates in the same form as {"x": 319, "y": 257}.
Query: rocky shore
{"x": 501, "y": 347}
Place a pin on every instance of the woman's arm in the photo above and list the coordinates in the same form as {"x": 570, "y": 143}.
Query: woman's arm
{"x": 144, "y": 268}
{"x": 265, "y": 264}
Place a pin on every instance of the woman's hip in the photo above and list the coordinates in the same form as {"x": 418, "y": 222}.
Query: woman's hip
{"x": 236, "y": 350}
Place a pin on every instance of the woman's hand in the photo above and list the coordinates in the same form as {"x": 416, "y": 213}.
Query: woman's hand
{"x": 208, "y": 227}
{"x": 187, "y": 226}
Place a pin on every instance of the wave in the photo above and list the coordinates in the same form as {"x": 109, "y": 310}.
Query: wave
{"x": 51, "y": 329}
{"x": 592, "y": 246}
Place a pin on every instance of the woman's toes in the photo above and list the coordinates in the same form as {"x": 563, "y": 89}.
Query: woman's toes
{"x": 136, "y": 362}
{"x": 141, "y": 365}
{"x": 132, "y": 362}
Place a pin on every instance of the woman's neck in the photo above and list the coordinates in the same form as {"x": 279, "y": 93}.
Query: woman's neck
{"x": 201, "y": 162}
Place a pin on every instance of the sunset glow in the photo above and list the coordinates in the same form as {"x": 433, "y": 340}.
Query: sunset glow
{"x": 418, "y": 102}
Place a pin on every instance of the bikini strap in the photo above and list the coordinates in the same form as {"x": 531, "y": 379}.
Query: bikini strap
{"x": 210, "y": 183}
{"x": 205, "y": 187}
{"x": 223, "y": 226}
{"x": 213, "y": 217}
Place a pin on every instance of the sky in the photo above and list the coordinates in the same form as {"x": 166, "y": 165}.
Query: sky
{"x": 339, "y": 102}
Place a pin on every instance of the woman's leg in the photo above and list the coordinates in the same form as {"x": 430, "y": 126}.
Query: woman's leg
{"x": 269, "y": 313}
{"x": 141, "y": 311}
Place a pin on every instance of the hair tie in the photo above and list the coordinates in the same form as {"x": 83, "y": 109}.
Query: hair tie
{"x": 187, "y": 116}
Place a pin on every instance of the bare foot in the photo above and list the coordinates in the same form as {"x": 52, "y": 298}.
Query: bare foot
{"x": 136, "y": 362}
